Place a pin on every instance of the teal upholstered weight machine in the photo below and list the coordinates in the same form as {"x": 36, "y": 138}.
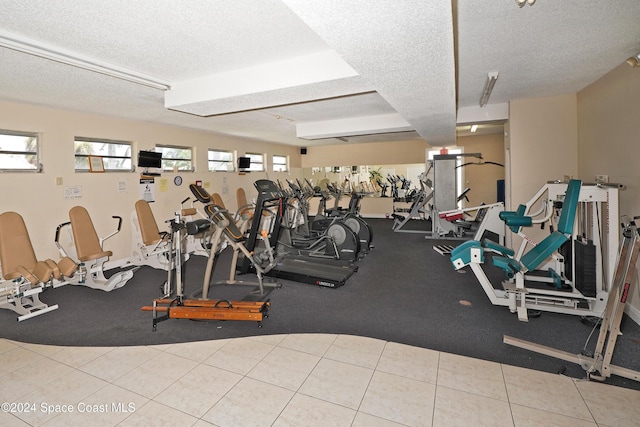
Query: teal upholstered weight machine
{"x": 569, "y": 269}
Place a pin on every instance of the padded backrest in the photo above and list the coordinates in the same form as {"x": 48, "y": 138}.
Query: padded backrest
{"x": 569, "y": 207}
{"x": 200, "y": 194}
{"x": 216, "y": 199}
{"x": 243, "y": 205}
{"x": 15, "y": 246}
{"x": 241, "y": 197}
{"x": 553, "y": 241}
{"x": 147, "y": 222}
{"x": 84, "y": 235}
{"x": 218, "y": 214}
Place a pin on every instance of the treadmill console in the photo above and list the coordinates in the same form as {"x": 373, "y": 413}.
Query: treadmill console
{"x": 268, "y": 190}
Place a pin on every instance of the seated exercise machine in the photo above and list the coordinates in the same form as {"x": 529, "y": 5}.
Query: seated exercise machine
{"x": 150, "y": 246}
{"x": 437, "y": 195}
{"x": 597, "y": 364}
{"x": 174, "y": 305}
{"x": 419, "y": 210}
{"x": 485, "y": 219}
{"x": 23, "y": 276}
{"x": 569, "y": 270}
{"x": 89, "y": 254}
{"x": 290, "y": 264}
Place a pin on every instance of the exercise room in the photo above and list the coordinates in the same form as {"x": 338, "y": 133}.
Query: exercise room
{"x": 319, "y": 213}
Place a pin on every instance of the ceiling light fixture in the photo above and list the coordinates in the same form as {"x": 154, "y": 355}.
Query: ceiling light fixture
{"x": 474, "y": 128}
{"x": 54, "y": 53}
{"x": 634, "y": 61}
{"x": 488, "y": 87}
{"x": 522, "y": 3}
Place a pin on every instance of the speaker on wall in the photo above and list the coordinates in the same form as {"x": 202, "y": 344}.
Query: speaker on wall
{"x": 303, "y": 150}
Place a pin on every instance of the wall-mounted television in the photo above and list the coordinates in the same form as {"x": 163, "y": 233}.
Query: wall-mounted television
{"x": 244, "y": 163}
{"x": 149, "y": 159}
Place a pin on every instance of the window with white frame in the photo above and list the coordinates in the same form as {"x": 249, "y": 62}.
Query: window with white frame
{"x": 257, "y": 162}
{"x": 19, "y": 151}
{"x": 116, "y": 155}
{"x": 221, "y": 161}
{"x": 280, "y": 163}
{"x": 176, "y": 158}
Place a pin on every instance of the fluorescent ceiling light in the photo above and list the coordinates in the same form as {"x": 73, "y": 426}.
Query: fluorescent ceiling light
{"x": 474, "y": 128}
{"x": 522, "y": 3}
{"x": 55, "y": 53}
{"x": 634, "y": 61}
{"x": 488, "y": 87}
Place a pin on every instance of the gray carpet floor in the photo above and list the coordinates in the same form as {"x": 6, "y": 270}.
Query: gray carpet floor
{"x": 404, "y": 291}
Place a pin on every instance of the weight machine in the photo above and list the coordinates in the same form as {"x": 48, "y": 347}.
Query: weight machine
{"x": 89, "y": 254}
{"x": 24, "y": 277}
{"x": 438, "y": 195}
{"x": 568, "y": 271}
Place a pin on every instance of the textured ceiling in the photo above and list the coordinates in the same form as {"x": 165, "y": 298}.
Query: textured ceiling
{"x": 244, "y": 67}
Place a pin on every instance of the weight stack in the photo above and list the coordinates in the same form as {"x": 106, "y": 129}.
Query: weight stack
{"x": 586, "y": 272}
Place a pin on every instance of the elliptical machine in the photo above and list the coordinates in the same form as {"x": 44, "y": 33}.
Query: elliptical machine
{"x": 335, "y": 241}
{"x": 350, "y": 216}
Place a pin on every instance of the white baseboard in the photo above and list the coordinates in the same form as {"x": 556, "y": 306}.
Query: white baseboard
{"x": 633, "y": 313}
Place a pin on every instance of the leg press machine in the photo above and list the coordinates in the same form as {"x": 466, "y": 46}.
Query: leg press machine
{"x": 88, "y": 251}
{"x": 23, "y": 276}
{"x": 568, "y": 271}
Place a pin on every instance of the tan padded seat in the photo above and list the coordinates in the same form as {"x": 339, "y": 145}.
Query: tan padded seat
{"x": 243, "y": 206}
{"x": 216, "y": 199}
{"x": 148, "y": 225}
{"x": 84, "y": 235}
{"x": 16, "y": 252}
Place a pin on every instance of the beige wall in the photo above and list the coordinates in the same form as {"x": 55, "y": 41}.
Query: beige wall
{"x": 608, "y": 119}
{"x": 608, "y": 114}
{"x": 42, "y": 203}
{"x": 373, "y": 153}
{"x": 543, "y": 144}
{"x": 482, "y": 179}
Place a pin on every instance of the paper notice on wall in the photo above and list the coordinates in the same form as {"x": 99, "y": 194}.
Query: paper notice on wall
{"x": 147, "y": 189}
{"x": 73, "y": 192}
{"x": 163, "y": 185}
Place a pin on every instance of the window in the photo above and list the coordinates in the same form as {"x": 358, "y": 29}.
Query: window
{"x": 221, "y": 161}
{"x": 116, "y": 155}
{"x": 19, "y": 151}
{"x": 175, "y": 158}
{"x": 257, "y": 162}
{"x": 280, "y": 163}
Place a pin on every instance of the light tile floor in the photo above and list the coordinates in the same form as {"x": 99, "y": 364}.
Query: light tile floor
{"x": 292, "y": 380}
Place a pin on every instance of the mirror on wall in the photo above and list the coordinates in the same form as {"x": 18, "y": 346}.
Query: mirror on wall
{"x": 484, "y": 179}
{"x": 370, "y": 179}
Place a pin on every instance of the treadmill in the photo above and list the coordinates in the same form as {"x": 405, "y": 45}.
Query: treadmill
{"x": 289, "y": 267}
